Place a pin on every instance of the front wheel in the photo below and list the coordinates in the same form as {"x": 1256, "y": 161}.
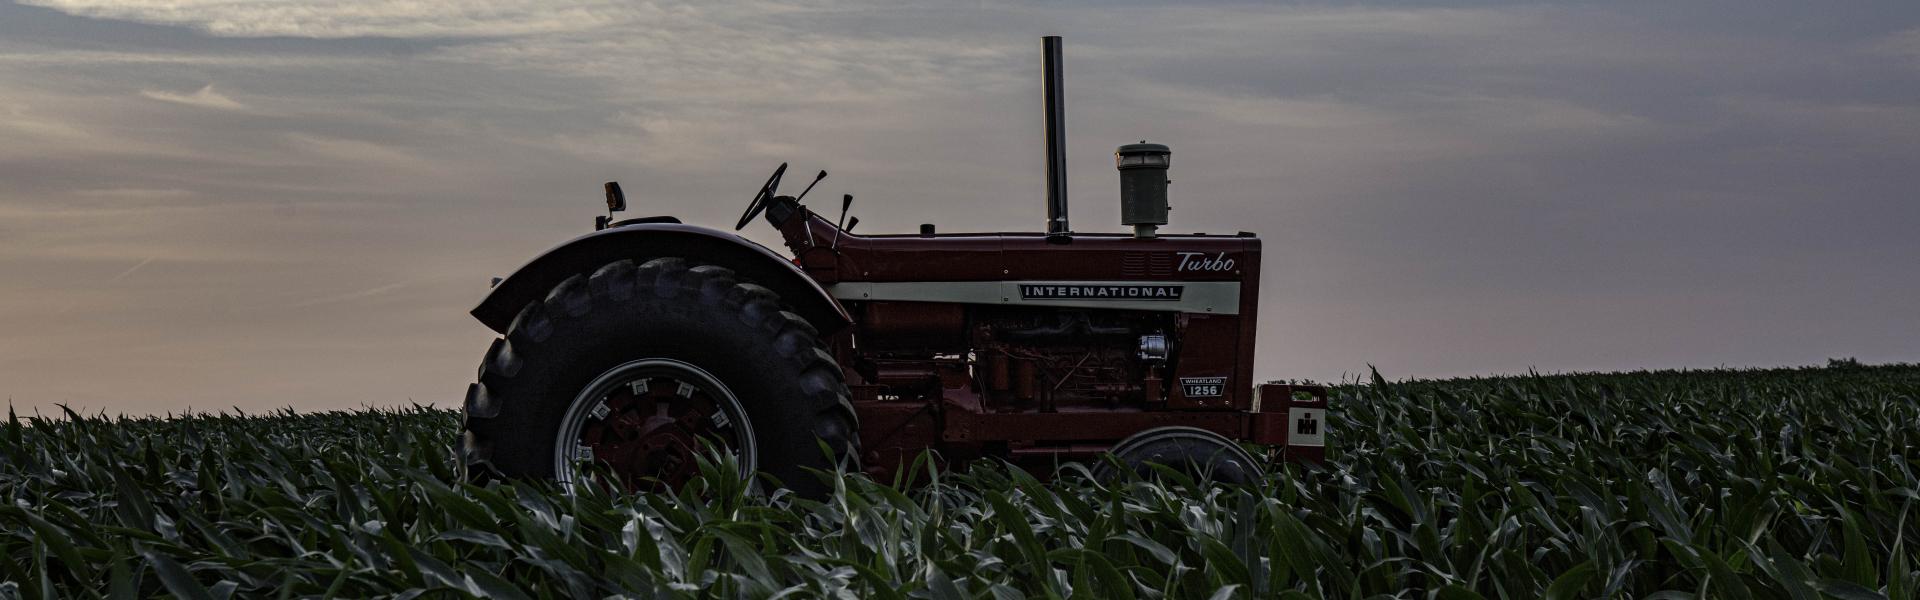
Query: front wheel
{"x": 637, "y": 370}
{"x": 1190, "y": 451}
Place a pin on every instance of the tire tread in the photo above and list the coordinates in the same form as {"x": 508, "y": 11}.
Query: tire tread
{"x": 620, "y": 283}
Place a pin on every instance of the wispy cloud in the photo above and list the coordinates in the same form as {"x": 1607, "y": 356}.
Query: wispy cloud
{"x": 130, "y": 270}
{"x": 134, "y": 193}
{"x": 349, "y": 296}
{"x": 357, "y": 18}
{"x": 206, "y": 98}
{"x": 1904, "y": 43}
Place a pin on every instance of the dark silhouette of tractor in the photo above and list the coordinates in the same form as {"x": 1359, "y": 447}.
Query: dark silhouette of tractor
{"x": 631, "y": 350}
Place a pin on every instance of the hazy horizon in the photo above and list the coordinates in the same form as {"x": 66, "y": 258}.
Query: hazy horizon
{"x": 260, "y": 205}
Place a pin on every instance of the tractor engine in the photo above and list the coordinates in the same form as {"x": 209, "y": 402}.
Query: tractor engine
{"x": 1018, "y": 359}
{"x": 1053, "y": 358}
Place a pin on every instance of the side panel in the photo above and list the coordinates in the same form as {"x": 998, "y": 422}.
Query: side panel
{"x": 1207, "y": 374}
{"x": 654, "y": 240}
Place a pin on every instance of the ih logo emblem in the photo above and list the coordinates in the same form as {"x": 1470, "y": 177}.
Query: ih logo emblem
{"x": 1309, "y": 427}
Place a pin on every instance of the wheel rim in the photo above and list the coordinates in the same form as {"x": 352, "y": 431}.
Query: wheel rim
{"x": 647, "y": 421}
{"x": 1128, "y": 451}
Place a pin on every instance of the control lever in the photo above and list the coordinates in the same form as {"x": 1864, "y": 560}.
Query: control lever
{"x": 803, "y": 195}
{"x": 816, "y": 181}
{"x": 840, "y": 227}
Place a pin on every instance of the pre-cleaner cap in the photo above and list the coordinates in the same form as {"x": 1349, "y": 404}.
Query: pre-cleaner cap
{"x": 1142, "y": 155}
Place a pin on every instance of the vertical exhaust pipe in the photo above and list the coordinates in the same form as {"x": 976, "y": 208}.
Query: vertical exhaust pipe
{"x": 1053, "y": 95}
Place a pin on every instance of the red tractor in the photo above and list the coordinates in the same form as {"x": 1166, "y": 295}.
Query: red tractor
{"x": 631, "y": 350}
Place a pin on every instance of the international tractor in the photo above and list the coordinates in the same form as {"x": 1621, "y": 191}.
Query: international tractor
{"x": 634, "y": 351}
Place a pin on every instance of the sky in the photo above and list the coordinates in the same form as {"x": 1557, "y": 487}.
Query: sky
{"x": 214, "y": 204}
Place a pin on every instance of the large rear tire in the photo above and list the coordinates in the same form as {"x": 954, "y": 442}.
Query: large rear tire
{"x": 628, "y": 366}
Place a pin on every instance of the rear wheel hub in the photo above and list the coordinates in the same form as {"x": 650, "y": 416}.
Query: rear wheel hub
{"x": 647, "y": 422}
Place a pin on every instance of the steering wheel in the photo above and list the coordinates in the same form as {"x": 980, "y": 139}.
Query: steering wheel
{"x": 759, "y": 202}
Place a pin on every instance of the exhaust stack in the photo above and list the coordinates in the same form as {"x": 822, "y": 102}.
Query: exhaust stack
{"x": 1052, "y": 92}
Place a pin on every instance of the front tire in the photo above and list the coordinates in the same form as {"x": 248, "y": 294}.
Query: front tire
{"x": 1190, "y": 451}
{"x": 628, "y": 367}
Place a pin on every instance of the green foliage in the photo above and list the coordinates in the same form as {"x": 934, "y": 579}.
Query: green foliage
{"x": 1765, "y": 484}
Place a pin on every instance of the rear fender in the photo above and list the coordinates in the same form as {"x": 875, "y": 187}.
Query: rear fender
{"x": 646, "y": 241}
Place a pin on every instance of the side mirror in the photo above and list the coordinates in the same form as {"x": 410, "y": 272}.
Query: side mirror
{"x": 851, "y": 223}
{"x": 616, "y": 201}
{"x": 845, "y": 203}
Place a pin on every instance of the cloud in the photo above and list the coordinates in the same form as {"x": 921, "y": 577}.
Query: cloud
{"x": 160, "y": 59}
{"x": 1496, "y": 179}
{"x": 348, "y": 296}
{"x": 205, "y": 98}
{"x": 134, "y": 193}
{"x": 357, "y": 18}
{"x": 351, "y": 150}
{"x": 22, "y": 123}
{"x": 1903, "y": 44}
{"x": 130, "y": 270}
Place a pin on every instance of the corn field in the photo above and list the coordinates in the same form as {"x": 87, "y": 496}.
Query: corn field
{"x": 1794, "y": 483}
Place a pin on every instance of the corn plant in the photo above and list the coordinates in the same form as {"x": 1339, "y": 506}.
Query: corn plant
{"x": 1791, "y": 483}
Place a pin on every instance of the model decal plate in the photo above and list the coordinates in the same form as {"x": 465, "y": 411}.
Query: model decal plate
{"x": 1203, "y": 387}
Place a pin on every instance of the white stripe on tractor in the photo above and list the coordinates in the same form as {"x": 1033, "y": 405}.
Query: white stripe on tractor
{"x": 1204, "y": 297}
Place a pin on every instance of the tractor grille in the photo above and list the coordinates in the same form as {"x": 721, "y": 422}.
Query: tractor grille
{"x": 1146, "y": 264}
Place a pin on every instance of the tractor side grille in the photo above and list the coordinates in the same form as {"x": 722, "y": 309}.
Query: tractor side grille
{"x": 1146, "y": 264}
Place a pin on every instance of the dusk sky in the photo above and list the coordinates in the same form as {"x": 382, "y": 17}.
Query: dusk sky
{"x": 216, "y": 204}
